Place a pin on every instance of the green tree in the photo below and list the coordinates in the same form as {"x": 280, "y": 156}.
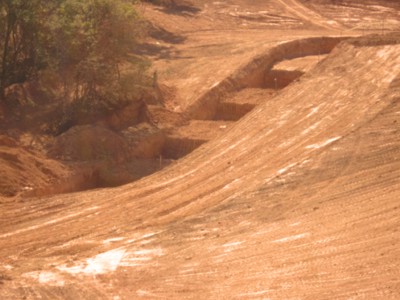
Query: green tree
{"x": 86, "y": 41}
{"x": 92, "y": 40}
{"x": 21, "y": 45}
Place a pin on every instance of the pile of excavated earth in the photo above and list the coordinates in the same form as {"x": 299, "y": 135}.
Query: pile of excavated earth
{"x": 267, "y": 167}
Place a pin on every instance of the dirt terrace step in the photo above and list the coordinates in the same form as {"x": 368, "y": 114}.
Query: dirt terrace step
{"x": 185, "y": 139}
{"x": 236, "y": 106}
{"x": 302, "y": 64}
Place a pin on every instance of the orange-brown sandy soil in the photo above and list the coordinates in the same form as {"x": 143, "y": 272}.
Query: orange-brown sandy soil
{"x": 270, "y": 168}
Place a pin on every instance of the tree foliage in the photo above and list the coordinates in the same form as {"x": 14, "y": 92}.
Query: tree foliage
{"x": 21, "y": 40}
{"x": 85, "y": 41}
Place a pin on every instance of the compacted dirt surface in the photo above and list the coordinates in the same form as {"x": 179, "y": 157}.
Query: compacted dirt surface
{"x": 292, "y": 190}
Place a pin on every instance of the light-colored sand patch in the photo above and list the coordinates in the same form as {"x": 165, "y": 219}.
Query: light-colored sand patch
{"x": 285, "y": 169}
{"x": 143, "y": 293}
{"x": 231, "y": 184}
{"x": 100, "y": 264}
{"x": 253, "y": 294}
{"x": 323, "y": 144}
{"x": 229, "y": 247}
{"x": 141, "y": 257}
{"x": 313, "y": 111}
{"x": 291, "y": 238}
{"x": 46, "y": 277}
{"x": 51, "y": 222}
{"x": 215, "y": 84}
{"x": 311, "y": 128}
{"x": 295, "y": 224}
{"x": 51, "y": 279}
{"x": 112, "y": 240}
{"x": 143, "y": 237}
{"x": 8, "y": 267}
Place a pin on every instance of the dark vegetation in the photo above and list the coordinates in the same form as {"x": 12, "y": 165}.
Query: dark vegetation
{"x": 77, "y": 54}
{"x": 179, "y": 7}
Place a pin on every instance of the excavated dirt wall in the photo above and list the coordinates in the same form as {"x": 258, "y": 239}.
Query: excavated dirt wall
{"x": 229, "y": 111}
{"x": 144, "y": 141}
{"x": 85, "y": 179}
{"x": 176, "y": 148}
{"x": 279, "y": 79}
{"x": 257, "y": 74}
{"x": 254, "y": 73}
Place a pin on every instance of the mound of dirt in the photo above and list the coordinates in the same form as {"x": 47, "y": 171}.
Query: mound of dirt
{"x": 22, "y": 170}
{"x": 90, "y": 143}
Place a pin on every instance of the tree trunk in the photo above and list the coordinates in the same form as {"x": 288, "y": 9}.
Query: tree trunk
{"x": 3, "y": 76}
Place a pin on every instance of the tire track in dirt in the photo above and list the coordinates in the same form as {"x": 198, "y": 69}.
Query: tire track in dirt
{"x": 230, "y": 260}
{"x": 306, "y": 14}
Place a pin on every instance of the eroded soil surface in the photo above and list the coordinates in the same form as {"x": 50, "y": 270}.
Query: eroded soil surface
{"x": 285, "y": 182}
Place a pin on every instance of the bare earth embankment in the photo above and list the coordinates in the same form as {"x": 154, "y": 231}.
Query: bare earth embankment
{"x": 292, "y": 193}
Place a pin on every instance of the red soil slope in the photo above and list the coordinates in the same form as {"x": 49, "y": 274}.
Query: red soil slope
{"x": 298, "y": 199}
